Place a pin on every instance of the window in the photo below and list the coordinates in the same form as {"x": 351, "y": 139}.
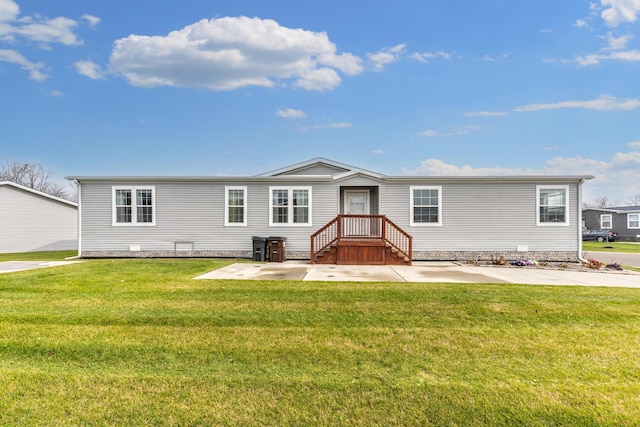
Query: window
{"x": 426, "y": 206}
{"x": 133, "y": 206}
{"x": 633, "y": 220}
{"x": 290, "y": 206}
{"x": 235, "y": 206}
{"x": 605, "y": 221}
{"x": 553, "y": 205}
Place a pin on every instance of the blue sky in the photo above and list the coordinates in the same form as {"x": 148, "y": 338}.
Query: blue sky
{"x": 428, "y": 87}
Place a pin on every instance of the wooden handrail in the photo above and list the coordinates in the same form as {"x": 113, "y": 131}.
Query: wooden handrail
{"x": 361, "y": 227}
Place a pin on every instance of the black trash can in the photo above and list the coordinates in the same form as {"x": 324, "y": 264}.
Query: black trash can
{"x": 276, "y": 247}
{"x": 259, "y": 248}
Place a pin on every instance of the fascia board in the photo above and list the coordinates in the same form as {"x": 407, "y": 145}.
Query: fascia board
{"x": 38, "y": 193}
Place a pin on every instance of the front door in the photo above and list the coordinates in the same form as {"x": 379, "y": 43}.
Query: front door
{"x": 356, "y": 202}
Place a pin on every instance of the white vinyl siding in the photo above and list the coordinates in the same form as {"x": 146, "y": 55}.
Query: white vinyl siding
{"x": 426, "y": 206}
{"x": 633, "y": 220}
{"x": 289, "y": 206}
{"x": 133, "y": 206}
{"x": 31, "y": 222}
{"x": 235, "y": 206}
{"x": 553, "y": 205}
{"x": 606, "y": 221}
{"x": 495, "y": 216}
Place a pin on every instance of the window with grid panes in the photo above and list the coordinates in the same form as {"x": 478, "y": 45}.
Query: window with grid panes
{"x": 426, "y": 205}
{"x": 290, "y": 206}
{"x": 133, "y": 206}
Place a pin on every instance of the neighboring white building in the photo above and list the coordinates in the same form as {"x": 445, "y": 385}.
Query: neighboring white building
{"x": 33, "y": 221}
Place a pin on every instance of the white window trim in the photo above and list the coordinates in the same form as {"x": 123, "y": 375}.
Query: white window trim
{"x": 226, "y": 207}
{"x": 290, "y": 223}
{"x": 610, "y": 221}
{"x": 566, "y": 206}
{"x": 629, "y": 221}
{"x": 134, "y": 207}
{"x": 411, "y": 206}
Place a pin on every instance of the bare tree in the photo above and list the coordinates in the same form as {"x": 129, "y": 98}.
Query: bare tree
{"x": 634, "y": 200}
{"x": 601, "y": 202}
{"x": 34, "y": 175}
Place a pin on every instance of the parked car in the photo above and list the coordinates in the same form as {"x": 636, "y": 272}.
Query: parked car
{"x": 598, "y": 235}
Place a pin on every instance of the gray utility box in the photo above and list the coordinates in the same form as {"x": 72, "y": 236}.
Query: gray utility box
{"x": 276, "y": 247}
{"x": 259, "y": 248}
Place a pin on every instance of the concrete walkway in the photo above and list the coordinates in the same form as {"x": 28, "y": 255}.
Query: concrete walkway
{"x": 448, "y": 272}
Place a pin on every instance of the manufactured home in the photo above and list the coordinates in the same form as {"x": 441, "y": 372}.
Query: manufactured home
{"x": 624, "y": 220}
{"x": 330, "y": 212}
{"x": 32, "y": 221}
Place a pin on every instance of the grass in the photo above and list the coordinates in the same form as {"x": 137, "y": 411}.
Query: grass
{"x": 38, "y": 256}
{"x": 630, "y": 248}
{"x": 138, "y": 342}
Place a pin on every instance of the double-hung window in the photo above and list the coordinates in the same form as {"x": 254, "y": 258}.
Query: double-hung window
{"x": 426, "y": 206}
{"x": 290, "y": 206}
{"x": 553, "y": 205}
{"x": 134, "y": 206}
{"x": 605, "y": 221}
{"x": 235, "y": 201}
{"x": 633, "y": 220}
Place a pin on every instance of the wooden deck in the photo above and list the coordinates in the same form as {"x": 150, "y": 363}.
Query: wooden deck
{"x": 361, "y": 240}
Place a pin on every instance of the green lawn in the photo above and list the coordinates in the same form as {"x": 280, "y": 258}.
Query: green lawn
{"x": 631, "y": 248}
{"x": 137, "y": 342}
{"x": 38, "y": 256}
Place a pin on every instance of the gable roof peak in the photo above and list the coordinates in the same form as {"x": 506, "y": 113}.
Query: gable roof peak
{"x": 339, "y": 167}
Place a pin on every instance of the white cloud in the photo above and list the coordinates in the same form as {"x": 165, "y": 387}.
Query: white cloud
{"x": 56, "y": 93}
{"x": 595, "y": 58}
{"x": 603, "y": 103}
{"x": 426, "y": 56}
{"x": 618, "y": 177}
{"x": 230, "y": 53}
{"x": 619, "y": 11}
{"x": 347, "y": 63}
{"x": 337, "y": 125}
{"x": 334, "y": 126}
{"x": 56, "y": 30}
{"x": 634, "y": 144}
{"x": 34, "y": 69}
{"x": 386, "y": 56}
{"x": 319, "y": 79}
{"x": 290, "y": 113}
{"x": 378, "y": 151}
{"x": 488, "y": 58}
{"x": 15, "y": 29}
{"x": 616, "y": 43}
{"x": 485, "y": 114}
{"x": 92, "y": 20}
{"x": 581, "y": 23}
{"x": 9, "y": 11}
{"x": 435, "y": 134}
{"x": 437, "y": 167}
{"x": 89, "y": 69}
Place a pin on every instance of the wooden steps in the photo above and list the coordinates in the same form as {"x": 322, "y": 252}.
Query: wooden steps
{"x": 361, "y": 252}
{"x": 361, "y": 240}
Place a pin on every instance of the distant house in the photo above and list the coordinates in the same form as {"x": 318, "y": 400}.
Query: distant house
{"x": 32, "y": 221}
{"x": 331, "y": 212}
{"x": 624, "y": 220}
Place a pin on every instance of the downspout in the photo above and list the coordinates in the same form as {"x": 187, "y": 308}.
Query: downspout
{"x": 580, "y": 258}
{"x": 79, "y": 230}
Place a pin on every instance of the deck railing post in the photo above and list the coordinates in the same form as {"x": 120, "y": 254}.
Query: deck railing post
{"x": 384, "y": 227}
